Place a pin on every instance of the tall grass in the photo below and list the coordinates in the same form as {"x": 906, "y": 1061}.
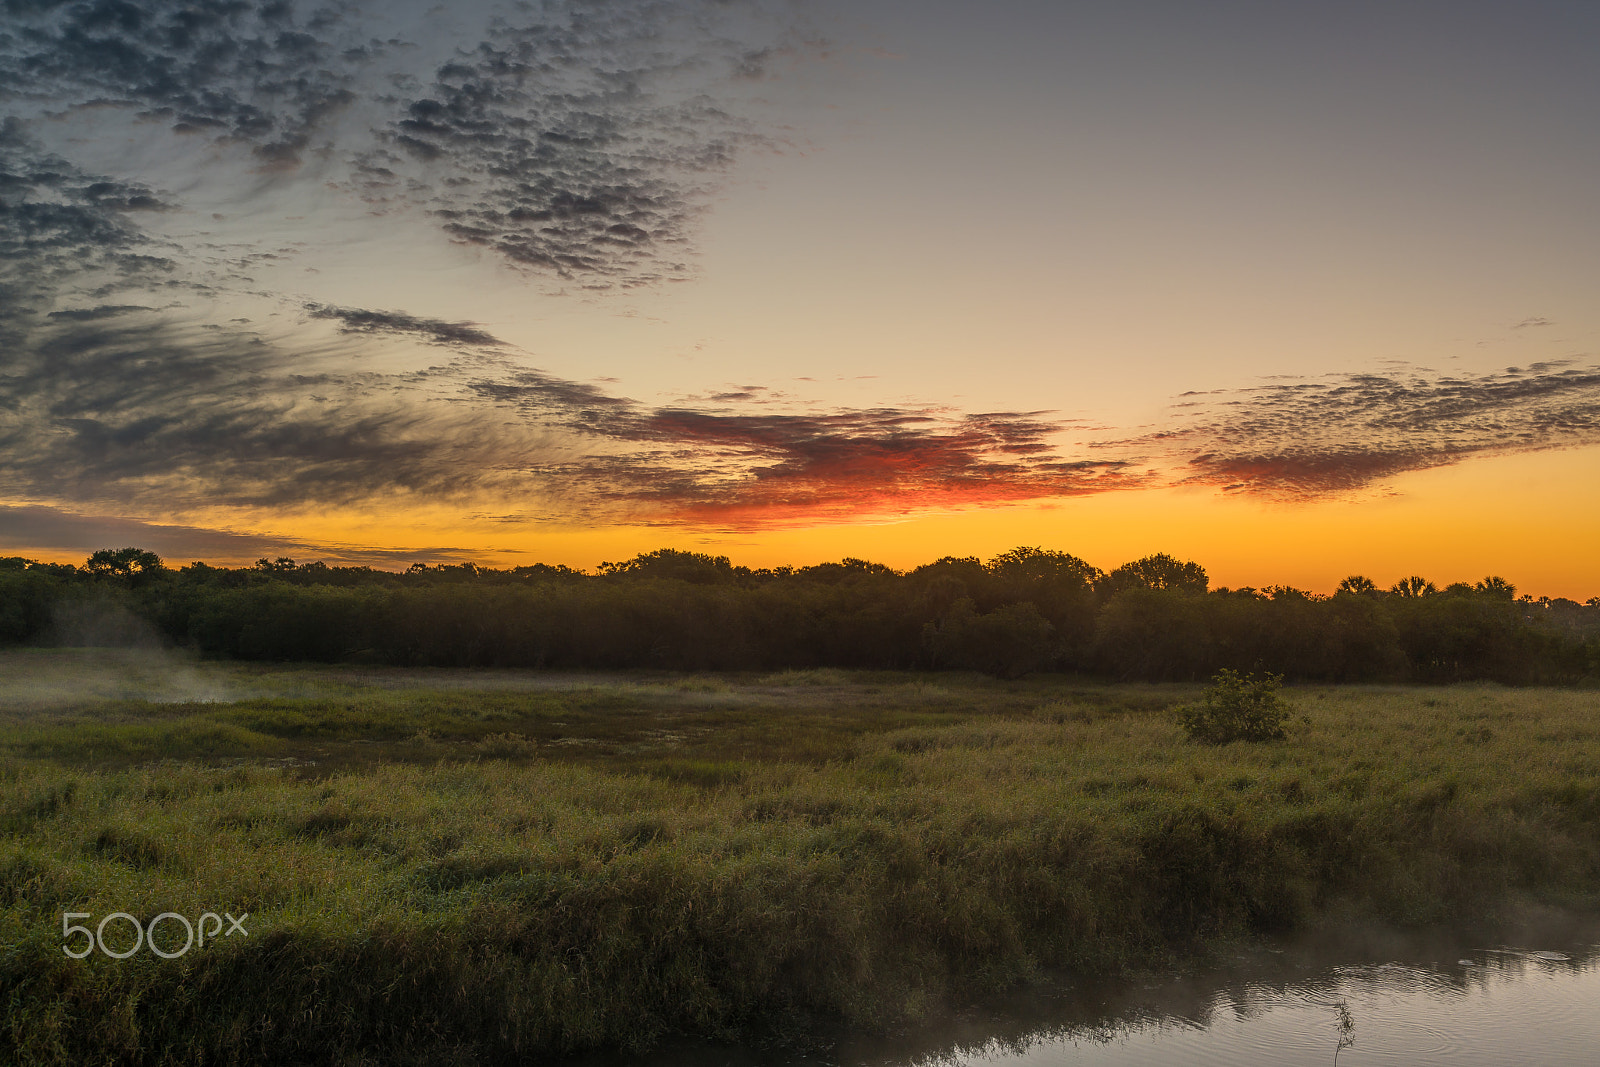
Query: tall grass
{"x": 548, "y": 872}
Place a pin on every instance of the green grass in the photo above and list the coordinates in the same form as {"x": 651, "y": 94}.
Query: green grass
{"x": 472, "y": 867}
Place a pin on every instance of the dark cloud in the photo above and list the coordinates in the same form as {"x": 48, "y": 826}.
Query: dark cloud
{"x": 63, "y": 229}
{"x": 104, "y": 311}
{"x": 140, "y": 411}
{"x": 358, "y": 320}
{"x": 584, "y": 142}
{"x": 1304, "y": 439}
{"x": 578, "y": 137}
{"x": 541, "y": 397}
{"x": 117, "y": 405}
{"x": 47, "y": 530}
{"x": 1309, "y": 472}
{"x": 267, "y": 73}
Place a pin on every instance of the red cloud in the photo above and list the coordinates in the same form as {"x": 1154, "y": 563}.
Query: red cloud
{"x": 749, "y": 470}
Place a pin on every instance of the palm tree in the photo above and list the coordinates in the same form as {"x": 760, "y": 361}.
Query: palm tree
{"x": 1496, "y": 587}
{"x": 1358, "y": 585}
{"x": 1414, "y": 586}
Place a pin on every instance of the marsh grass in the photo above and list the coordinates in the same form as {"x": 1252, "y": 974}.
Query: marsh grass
{"x": 476, "y": 876}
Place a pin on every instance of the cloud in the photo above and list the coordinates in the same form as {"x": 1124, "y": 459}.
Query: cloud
{"x": 140, "y": 411}
{"x": 719, "y": 467}
{"x": 107, "y": 403}
{"x": 264, "y": 74}
{"x": 579, "y": 138}
{"x": 358, "y": 320}
{"x": 63, "y": 230}
{"x": 742, "y": 393}
{"x": 52, "y": 531}
{"x": 1302, "y": 439}
{"x": 127, "y": 408}
{"x": 104, "y": 311}
{"x": 584, "y": 142}
{"x": 708, "y": 468}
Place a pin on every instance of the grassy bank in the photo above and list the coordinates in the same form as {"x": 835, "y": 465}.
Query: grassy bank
{"x": 475, "y": 866}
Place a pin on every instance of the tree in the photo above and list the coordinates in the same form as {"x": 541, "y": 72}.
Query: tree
{"x": 1008, "y": 642}
{"x": 695, "y": 567}
{"x": 950, "y": 577}
{"x": 1358, "y": 585}
{"x": 1496, "y": 587}
{"x": 1159, "y": 571}
{"x": 1413, "y": 587}
{"x": 1061, "y": 586}
{"x": 126, "y": 563}
{"x": 1044, "y": 566}
{"x": 849, "y": 569}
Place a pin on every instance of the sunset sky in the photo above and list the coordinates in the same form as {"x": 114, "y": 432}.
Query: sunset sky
{"x": 1295, "y": 290}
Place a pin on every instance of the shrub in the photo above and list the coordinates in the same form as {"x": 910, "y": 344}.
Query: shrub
{"x": 1238, "y": 708}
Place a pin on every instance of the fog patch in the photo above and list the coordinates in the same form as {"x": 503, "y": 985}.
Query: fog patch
{"x": 101, "y": 624}
{"x": 105, "y": 652}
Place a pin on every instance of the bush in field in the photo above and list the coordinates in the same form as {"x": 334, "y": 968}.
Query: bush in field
{"x": 1238, "y": 708}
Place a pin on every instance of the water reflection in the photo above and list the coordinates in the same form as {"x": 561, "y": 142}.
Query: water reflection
{"x": 1526, "y": 996}
{"x": 1501, "y": 1008}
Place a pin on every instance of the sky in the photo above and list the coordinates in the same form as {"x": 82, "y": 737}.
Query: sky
{"x": 1294, "y": 290}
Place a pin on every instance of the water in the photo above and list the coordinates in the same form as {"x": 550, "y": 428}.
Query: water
{"x": 1502, "y": 1009}
{"x": 1484, "y": 999}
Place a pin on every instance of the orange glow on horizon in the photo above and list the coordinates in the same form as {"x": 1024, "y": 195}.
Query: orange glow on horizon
{"x": 1515, "y": 516}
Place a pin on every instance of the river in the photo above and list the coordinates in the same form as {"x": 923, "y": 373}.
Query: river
{"x": 1527, "y": 995}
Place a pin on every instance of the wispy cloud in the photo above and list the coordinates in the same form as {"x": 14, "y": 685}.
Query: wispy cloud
{"x": 721, "y": 466}
{"x": 1298, "y": 439}
{"x": 751, "y": 470}
{"x": 54, "y": 530}
{"x": 360, "y": 320}
{"x": 142, "y": 412}
{"x": 121, "y": 406}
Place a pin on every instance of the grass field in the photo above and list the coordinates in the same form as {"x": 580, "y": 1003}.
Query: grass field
{"x": 473, "y": 866}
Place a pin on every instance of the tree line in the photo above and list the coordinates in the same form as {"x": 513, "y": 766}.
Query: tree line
{"x": 1030, "y": 609}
